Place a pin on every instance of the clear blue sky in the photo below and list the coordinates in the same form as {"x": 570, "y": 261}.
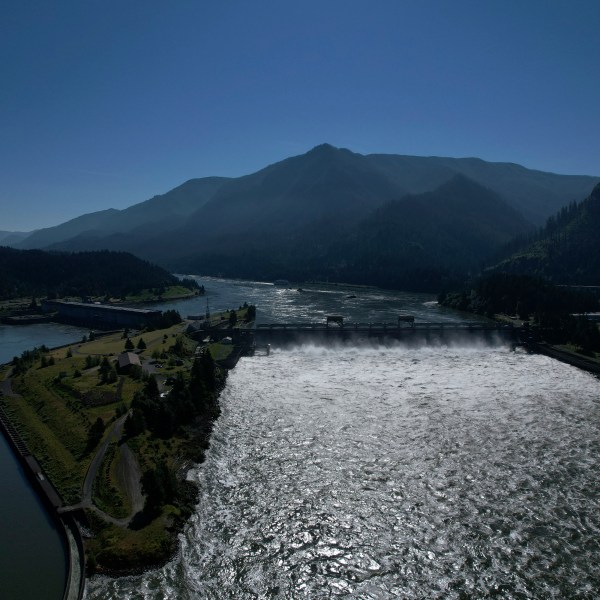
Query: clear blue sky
{"x": 105, "y": 103}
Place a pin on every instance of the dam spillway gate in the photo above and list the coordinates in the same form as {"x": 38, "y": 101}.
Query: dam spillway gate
{"x": 417, "y": 334}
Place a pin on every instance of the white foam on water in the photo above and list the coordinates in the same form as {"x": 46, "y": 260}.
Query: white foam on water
{"x": 370, "y": 472}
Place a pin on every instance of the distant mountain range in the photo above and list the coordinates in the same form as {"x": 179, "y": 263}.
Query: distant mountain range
{"x": 401, "y": 221}
{"x": 9, "y": 238}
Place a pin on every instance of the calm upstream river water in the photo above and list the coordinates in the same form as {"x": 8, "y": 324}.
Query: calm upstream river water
{"x": 361, "y": 472}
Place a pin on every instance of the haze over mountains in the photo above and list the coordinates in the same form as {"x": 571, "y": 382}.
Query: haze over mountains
{"x": 400, "y": 221}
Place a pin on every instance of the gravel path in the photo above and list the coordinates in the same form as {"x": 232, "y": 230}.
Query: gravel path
{"x": 128, "y": 472}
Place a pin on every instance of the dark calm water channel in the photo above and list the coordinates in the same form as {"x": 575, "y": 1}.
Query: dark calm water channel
{"x": 32, "y": 555}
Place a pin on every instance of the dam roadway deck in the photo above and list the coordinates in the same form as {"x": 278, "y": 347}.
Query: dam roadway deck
{"x": 284, "y": 334}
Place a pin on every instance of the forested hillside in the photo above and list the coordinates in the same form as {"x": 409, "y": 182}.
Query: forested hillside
{"x": 424, "y": 241}
{"x": 38, "y": 273}
{"x": 566, "y": 250}
{"x": 419, "y": 242}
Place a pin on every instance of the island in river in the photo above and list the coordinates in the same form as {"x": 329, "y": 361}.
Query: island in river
{"x": 114, "y": 421}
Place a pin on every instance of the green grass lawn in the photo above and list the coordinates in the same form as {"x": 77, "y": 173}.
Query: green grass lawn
{"x": 120, "y": 549}
{"x": 220, "y": 351}
{"x": 59, "y": 403}
{"x": 170, "y": 293}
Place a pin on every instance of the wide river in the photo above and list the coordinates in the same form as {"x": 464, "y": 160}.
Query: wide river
{"x": 362, "y": 472}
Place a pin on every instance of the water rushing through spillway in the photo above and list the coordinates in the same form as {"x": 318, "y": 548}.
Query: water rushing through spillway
{"x": 393, "y": 473}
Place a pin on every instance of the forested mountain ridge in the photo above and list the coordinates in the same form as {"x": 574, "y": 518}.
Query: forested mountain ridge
{"x": 535, "y": 194}
{"x": 328, "y": 212}
{"x": 430, "y": 238}
{"x": 566, "y": 250}
{"x": 295, "y": 187}
{"x": 419, "y": 242}
{"x": 39, "y": 273}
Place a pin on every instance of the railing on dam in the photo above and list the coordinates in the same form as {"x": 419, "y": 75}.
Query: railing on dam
{"x": 468, "y": 326}
{"x": 290, "y": 332}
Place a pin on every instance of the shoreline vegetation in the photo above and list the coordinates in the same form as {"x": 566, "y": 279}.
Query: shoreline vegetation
{"x": 27, "y": 310}
{"x": 116, "y": 438}
{"x": 554, "y": 317}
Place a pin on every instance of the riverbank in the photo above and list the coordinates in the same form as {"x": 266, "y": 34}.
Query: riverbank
{"x": 70, "y": 532}
{"x": 565, "y": 354}
{"x": 56, "y": 396}
{"x": 25, "y": 311}
{"x": 591, "y": 365}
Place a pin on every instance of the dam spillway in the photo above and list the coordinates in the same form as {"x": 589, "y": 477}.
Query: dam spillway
{"x": 287, "y": 334}
{"x": 382, "y": 333}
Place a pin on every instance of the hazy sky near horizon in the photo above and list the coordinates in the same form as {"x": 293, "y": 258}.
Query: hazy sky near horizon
{"x": 106, "y": 103}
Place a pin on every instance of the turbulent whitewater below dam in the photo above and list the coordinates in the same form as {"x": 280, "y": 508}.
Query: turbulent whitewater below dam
{"x": 388, "y": 472}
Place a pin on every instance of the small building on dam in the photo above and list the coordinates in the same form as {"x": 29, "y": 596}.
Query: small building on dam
{"x": 102, "y": 316}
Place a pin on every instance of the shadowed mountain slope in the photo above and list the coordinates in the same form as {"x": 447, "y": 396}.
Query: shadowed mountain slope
{"x": 567, "y": 249}
{"x": 418, "y": 242}
{"x": 39, "y": 273}
{"x": 160, "y": 213}
{"x": 536, "y": 194}
{"x": 309, "y": 215}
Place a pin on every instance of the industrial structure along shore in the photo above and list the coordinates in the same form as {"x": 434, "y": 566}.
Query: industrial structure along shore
{"x": 102, "y": 316}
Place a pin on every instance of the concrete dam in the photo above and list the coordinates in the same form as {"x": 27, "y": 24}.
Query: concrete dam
{"x": 288, "y": 334}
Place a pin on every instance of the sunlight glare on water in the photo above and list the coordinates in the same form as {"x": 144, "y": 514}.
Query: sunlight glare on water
{"x": 393, "y": 473}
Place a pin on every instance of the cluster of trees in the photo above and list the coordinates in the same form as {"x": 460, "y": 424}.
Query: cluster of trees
{"x": 46, "y": 362}
{"x": 191, "y": 400}
{"x": 106, "y": 371}
{"x": 168, "y": 319}
{"x": 554, "y": 311}
{"x": 141, "y": 345}
{"x": 520, "y": 295}
{"x": 188, "y": 400}
{"x": 250, "y": 312}
{"x": 28, "y": 358}
{"x": 95, "y": 433}
{"x": 192, "y": 284}
{"x": 54, "y": 274}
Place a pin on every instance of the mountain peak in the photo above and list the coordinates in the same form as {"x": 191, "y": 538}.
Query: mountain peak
{"x": 321, "y": 148}
{"x": 329, "y": 150}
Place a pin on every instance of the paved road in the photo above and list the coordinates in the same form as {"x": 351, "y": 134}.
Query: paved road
{"x": 130, "y": 475}
{"x": 113, "y": 434}
{"x": 128, "y": 470}
{"x": 6, "y": 385}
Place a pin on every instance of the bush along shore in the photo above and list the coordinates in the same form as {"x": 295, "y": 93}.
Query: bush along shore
{"x": 554, "y": 319}
{"x": 116, "y": 421}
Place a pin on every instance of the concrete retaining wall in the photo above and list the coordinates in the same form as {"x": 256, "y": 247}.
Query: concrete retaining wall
{"x": 51, "y": 499}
